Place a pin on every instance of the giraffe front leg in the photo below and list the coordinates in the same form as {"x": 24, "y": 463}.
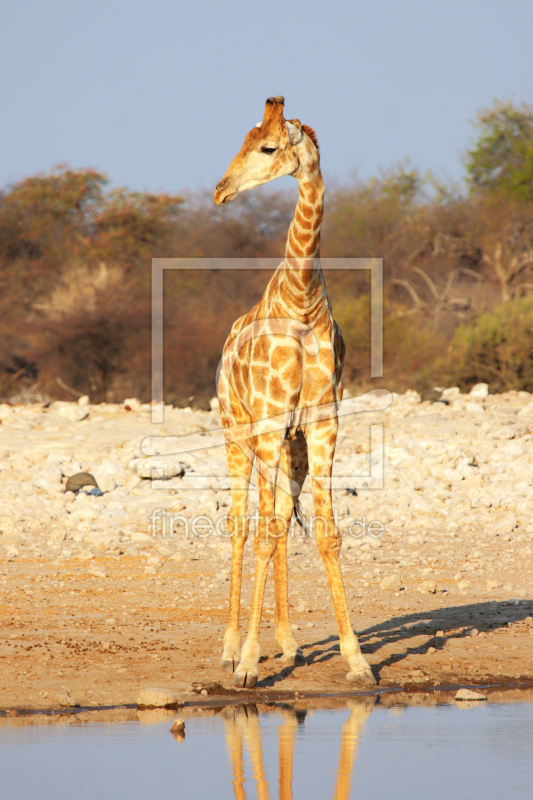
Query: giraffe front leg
{"x": 268, "y": 449}
{"x": 245, "y": 676}
{"x": 240, "y": 468}
{"x": 232, "y": 638}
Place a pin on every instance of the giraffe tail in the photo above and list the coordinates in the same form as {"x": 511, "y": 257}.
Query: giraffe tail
{"x": 299, "y": 516}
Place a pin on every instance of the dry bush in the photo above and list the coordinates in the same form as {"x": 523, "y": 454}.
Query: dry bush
{"x": 496, "y": 349}
{"x": 448, "y": 259}
{"x": 86, "y": 334}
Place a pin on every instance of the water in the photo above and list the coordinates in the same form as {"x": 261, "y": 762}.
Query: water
{"x": 360, "y": 750}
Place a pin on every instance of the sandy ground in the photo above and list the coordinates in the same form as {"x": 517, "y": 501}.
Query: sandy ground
{"x": 93, "y": 607}
{"x": 85, "y": 638}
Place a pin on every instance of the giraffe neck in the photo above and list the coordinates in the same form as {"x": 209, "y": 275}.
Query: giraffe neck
{"x": 302, "y": 284}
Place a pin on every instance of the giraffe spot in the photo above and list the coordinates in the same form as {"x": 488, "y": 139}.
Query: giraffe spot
{"x": 273, "y": 410}
{"x": 293, "y": 376}
{"x": 237, "y": 382}
{"x": 295, "y": 247}
{"x": 312, "y": 195}
{"x": 283, "y": 354}
{"x": 258, "y": 406}
{"x": 275, "y": 388}
{"x": 318, "y": 222}
{"x": 314, "y": 383}
{"x": 261, "y": 348}
{"x": 302, "y": 222}
{"x": 259, "y": 381}
{"x": 325, "y": 356}
{"x": 294, "y": 282}
{"x": 307, "y": 211}
{"x": 302, "y": 238}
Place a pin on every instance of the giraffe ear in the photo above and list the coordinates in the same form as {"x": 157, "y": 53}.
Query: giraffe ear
{"x": 295, "y": 133}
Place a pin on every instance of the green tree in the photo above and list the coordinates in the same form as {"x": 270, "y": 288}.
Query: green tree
{"x": 502, "y": 157}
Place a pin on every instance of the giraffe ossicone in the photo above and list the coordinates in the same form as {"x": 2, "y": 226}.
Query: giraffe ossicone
{"x": 280, "y": 385}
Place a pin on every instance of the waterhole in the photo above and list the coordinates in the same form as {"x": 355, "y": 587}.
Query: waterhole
{"x": 360, "y": 748}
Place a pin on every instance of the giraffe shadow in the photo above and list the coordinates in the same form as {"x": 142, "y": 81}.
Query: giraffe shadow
{"x": 452, "y": 622}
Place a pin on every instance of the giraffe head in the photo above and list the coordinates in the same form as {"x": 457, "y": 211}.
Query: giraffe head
{"x": 275, "y": 147}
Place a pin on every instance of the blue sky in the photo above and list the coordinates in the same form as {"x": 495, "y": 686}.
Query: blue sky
{"x": 160, "y": 94}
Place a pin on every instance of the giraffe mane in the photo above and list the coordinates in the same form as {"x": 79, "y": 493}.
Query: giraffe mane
{"x": 312, "y": 135}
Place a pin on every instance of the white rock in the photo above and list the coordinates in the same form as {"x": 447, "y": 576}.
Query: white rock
{"x": 427, "y": 587}
{"x": 6, "y": 411}
{"x": 474, "y": 408}
{"x": 7, "y": 524}
{"x": 480, "y": 390}
{"x": 133, "y": 403}
{"x": 140, "y": 537}
{"x": 66, "y": 700}
{"x": 108, "y": 474}
{"x": 157, "y": 467}
{"x": 84, "y": 401}
{"x": 98, "y": 572}
{"x": 526, "y": 411}
{"x": 158, "y": 698}
{"x": 70, "y": 411}
{"x": 392, "y": 583}
{"x": 49, "y": 479}
{"x": 214, "y": 404}
{"x": 484, "y": 501}
{"x": 468, "y": 694}
{"x": 178, "y": 725}
{"x": 302, "y": 607}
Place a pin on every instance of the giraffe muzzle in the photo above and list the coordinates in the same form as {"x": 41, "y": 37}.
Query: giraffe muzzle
{"x": 224, "y": 192}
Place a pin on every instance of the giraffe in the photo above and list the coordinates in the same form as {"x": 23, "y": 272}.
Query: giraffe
{"x": 279, "y": 389}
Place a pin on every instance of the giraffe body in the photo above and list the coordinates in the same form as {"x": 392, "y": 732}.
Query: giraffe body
{"x": 279, "y": 387}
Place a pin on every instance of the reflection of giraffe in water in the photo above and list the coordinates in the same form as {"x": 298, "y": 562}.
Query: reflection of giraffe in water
{"x": 242, "y": 724}
{"x": 285, "y": 363}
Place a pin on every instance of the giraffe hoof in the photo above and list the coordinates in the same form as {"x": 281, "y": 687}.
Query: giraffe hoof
{"x": 363, "y": 678}
{"x": 228, "y": 664}
{"x": 245, "y": 679}
{"x": 294, "y": 660}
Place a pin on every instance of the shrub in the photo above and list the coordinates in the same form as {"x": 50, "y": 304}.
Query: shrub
{"x": 496, "y": 349}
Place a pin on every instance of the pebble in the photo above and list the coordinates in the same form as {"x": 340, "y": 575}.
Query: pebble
{"x": 178, "y": 725}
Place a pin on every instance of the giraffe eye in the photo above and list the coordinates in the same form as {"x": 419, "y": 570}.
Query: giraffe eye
{"x": 268, "y": 150}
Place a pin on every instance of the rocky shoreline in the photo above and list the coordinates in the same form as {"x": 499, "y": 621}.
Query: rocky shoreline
{"x": 103, "y": 593}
